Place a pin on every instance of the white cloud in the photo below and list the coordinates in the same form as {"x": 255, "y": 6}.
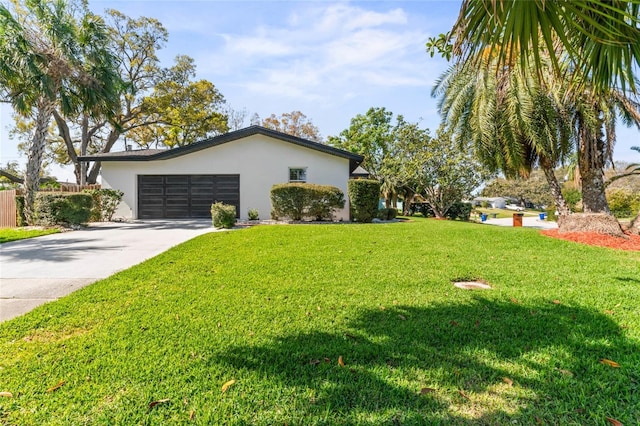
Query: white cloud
{"x": 323, "y": 53}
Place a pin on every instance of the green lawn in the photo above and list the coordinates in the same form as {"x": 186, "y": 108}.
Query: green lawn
{"x": 13, "y": 234}
{"x": 274, "y": 307}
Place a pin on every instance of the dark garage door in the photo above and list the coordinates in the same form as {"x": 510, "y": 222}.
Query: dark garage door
{"x": 185, "y": 196}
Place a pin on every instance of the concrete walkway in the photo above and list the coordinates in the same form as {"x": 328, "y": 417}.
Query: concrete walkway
{"x": 527, "y": 222}
{"x": 39, "y": 270}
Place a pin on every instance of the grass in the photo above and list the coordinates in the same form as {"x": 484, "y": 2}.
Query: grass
{"x": 274, "y": 307}
{"x": 14, "y": 234}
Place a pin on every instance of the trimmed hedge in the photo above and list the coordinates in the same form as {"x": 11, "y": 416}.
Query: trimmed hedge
{"x": 56, "y": 208}
{"x": 364, "y": 195}
{"x": 223, "y": 215}
{"x": 105, "y": 203}
{"x": 305, "y": 200}
{"x": 21, "y": 219}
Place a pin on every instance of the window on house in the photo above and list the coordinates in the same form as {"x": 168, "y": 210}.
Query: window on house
{"x": 297, "y": 174}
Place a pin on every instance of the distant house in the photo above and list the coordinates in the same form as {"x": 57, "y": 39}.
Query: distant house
{"x": 494, "y": 202}
{"x": 360, "y": 173}
{"x": 237, "y": 168}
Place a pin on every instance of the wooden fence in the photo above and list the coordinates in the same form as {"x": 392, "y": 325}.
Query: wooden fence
{"x": 8, "y": 208}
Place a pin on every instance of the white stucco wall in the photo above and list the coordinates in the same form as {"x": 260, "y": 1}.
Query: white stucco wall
{"x": 260, "y": 161}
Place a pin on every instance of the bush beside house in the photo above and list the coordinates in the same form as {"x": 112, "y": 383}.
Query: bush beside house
{"x": 223, "y": 215}
{"x": 105, "y": 202}
{"x": 364, "y": 195}
{"x": 298, "y": 201}
{"x": 62, "y": 208}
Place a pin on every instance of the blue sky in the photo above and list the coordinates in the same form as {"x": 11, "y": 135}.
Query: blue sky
{"x": 331, "y": 60}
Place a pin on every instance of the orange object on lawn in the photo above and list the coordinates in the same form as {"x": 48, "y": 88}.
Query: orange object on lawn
{"x": 517, "y": 219}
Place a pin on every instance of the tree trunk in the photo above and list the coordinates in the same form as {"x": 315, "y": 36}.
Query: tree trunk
{"x": 65, "y": 134}
{"x": 561, "y": 204}
{"x": 593, "y": 194}
{"x": 591, "y": 163}
{"x": 406, "y": 203}
{"x": 34, "y": 159}
{"x": 634, "y": 228}
{"x": 93, "y": 174}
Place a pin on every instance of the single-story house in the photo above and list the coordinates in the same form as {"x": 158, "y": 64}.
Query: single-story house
{"x": 494, "y": 202}
{"x": 237, "y": 168}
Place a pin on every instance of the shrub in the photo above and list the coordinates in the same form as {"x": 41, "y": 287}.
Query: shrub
{"x": 105, "y": 202}
{"x": 253, "y": 214}
{"x": 223, "y": 215}
{"x": 62, "y": 208}
{"x": 325, "y": 200}
{"x": 364, "y": 195}
{"x": 623, "y": 203}
{"x": 301, "y": 200}
{"x": 387, "y": 213}
{"x": 21, "y": 219}
{"x": 572, "y": 196}
{"x": 289, "y": 200}
{"x": 459, "y": 210}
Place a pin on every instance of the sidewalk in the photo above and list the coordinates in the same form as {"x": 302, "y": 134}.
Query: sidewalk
{"x": 527, "y": 222}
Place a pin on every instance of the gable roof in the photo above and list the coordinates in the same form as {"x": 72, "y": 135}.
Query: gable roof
{"x": 165, "y": 154}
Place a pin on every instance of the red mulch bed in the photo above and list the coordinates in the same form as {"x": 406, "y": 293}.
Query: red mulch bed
{"x": 595, "y": 239}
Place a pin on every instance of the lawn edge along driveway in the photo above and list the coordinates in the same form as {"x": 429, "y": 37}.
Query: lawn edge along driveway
{"x": 39, "y": 270}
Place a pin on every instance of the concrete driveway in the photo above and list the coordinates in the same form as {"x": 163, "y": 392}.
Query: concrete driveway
{"x": 38, "y": 270}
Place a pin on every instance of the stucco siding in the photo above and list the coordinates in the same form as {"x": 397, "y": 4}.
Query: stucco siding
{"x": 260, "y": 161}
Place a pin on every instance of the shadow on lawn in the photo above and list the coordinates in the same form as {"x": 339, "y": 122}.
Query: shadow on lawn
{"x": 454, "y": 348}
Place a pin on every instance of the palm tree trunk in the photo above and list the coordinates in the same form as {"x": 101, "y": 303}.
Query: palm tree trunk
{"x": 634, "y": 228}
{"x": 561, "y": 204}
{"x": 34, "y": 159}
{"x": 591, "y": 163}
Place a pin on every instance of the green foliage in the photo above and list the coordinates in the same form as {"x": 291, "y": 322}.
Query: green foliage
{"x": 182, "y": 111}
{"x": 223, "y": 215}
{"x": 55, "y": 57}
{"x": 21, "y": 219}
{"x": 105, "y": 203}
{"x": 443, "y": 172}
{"x": 364, "y": 195}
{"x": 387, "y": 213}
{"x": 623, "y": 203}
{"x": 459, "y": 210}
{"x": 370, "y": 135}
{"x": 598, "y": 38}
{"x": 572, "y": 196}
{"x": 253, "y": 214}
{"x": 305, "y": 200}
{"x": 61, "y": 208}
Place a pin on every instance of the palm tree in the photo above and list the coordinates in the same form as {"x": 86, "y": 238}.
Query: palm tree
{"x": 50, "y": 58}
{"x": 594, "y": 121}
{"x": 514, "y": 122}
{"x": 598, "y": 37}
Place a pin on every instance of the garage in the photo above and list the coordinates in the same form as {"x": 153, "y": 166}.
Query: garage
{"x": 185, "y": 196}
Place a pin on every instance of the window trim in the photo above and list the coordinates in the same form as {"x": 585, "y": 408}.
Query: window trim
{"x": 303, "y": 170}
